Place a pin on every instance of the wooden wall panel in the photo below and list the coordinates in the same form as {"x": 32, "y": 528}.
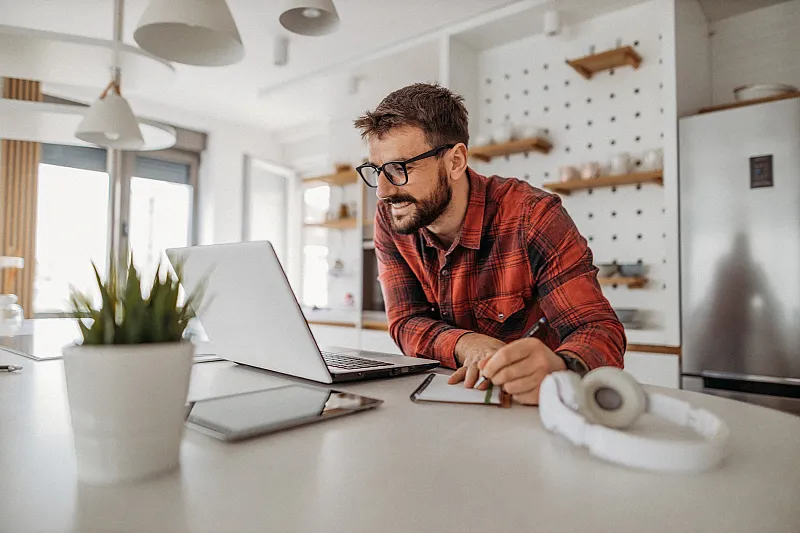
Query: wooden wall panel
{"x": 19, "y": 177}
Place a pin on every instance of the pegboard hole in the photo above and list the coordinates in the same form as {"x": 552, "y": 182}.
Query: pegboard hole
{"x": 527, "y": 177}
{"x": 611, "y": 72}
{"x": 525, "y": 72}
{"x": 546, "y": 109}
{"x": 488, "y": 81}
{"x": 638, "y": 161}
{"x": 566, "y": 127}
{"x": 589, "y": 122}
{"x": 546, "y": 87}
{"x": 612, "y": 96}
{"x": 613, "y": 119}
{"x": 566, "y": 104}
{"x": 589, "y": 146}
{"x": 613, "y": 142}
{"x": 663, "y": 235}
{"x": 664, "y": 261}
{"x": 488, "y": 100}
{"x": 508, "y": 117}
{"x": 613, "y": 213}
{"x": 613, "y": 189}
{"x": 566, "y": 83}
{"x": 639, "y": 212}
{"x": 526, "y": 92}
{"x": 662, "y": 134}
{"x": 591, "y": 239}
{"x": 507, "y": 76}
{"x": 638, "y": 114}
{"x": 545, "y": 66}
{"x": 488, "y": 121}
{"x": 589, "y": 191}
{"x": 635, "y": 43}
{"x": 639, "y": 236}
{"x": 589, "y": 100}
{"x": 567, "y": 149}
{"x": 613, "y": 237}
{"x": 591, "y": 215}
{"x": 526, "y": 112}
{"x": 664, "y": 286}
{"x": 546, "y": 174}
{"x": 508, "y": 96}
{"x": 638, "y": 186}
{"x": 636, "y": 91}
{"x": 546, "y": 131}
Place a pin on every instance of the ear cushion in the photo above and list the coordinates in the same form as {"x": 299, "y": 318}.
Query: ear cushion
{"x": 611, "y": 397}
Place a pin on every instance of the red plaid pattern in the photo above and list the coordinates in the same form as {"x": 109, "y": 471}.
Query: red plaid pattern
{"x": 518, "y": 257}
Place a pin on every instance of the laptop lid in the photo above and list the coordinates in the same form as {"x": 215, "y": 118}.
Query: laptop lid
{"x": 250, "y": 312}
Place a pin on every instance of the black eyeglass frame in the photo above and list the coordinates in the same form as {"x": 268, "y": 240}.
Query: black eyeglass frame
{"x": 402, "y": 164}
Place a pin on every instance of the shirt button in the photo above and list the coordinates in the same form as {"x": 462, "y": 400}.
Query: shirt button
{"x": 445, "y": 313}
{"x": 445, "y": 272}
{"x": 501, "y": 316}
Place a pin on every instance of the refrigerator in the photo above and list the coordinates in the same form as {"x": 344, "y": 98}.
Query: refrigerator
{"x": 740, "y": 253}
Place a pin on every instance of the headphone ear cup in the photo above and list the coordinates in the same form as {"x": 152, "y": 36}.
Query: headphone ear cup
{"x": 611, "y": 397}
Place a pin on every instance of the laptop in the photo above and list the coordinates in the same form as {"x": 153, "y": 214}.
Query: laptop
{"x": 252, "y": 317}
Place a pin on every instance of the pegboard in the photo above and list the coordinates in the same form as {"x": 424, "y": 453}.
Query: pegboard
{"x": 527, "y": 82}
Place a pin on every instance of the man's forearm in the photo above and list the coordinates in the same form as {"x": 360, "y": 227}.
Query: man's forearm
{"x": 598, "y": 343}
{"x": 420, "y": 336}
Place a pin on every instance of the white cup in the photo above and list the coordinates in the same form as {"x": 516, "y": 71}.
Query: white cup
{"x": 653, "y": 159}
{"x": 568, "y": 173}
{"x": 621, "y": 163}
{"x": 590, "y": 170}
{"x": 503, "y": 133}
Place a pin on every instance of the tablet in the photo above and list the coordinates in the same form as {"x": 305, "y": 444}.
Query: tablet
{"x": 251, "y": 414}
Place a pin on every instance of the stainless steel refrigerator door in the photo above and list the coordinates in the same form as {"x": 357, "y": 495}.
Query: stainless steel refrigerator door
{"x": 740, "y": 246}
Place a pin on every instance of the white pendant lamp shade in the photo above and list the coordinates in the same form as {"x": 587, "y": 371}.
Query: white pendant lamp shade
{"x": 193, "y": 32}
{"x": 109, "y": 122}
{"x": 309, "y": 17}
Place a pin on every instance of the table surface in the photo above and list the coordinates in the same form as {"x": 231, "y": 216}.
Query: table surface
{"x": 403, "y": 467}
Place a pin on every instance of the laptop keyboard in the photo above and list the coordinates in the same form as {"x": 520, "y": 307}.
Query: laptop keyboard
{"x": 348, "y": 362}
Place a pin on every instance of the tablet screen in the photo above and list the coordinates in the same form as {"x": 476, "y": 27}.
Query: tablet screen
{"x": 256, "y": 413}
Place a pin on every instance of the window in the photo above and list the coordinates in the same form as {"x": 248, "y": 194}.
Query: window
{"x": 266, "y": 210}
{"x": 315, "y": 248}
{"x": 72, "y": 224}
{"x": 160, "y": 217}
{"x": 74, "y": 214}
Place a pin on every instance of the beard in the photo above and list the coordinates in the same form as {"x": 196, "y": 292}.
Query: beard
{"x": 426, "y": 210}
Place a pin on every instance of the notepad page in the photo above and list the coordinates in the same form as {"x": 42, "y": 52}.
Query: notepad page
{"x": 439, "y": 390}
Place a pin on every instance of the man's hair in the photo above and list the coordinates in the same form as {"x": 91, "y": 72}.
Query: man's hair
{"x": 437, "y": 111}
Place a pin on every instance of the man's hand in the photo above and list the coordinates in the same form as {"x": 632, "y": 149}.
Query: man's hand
{"x": 520, "y": 367}
{"x": 470, "y": 349}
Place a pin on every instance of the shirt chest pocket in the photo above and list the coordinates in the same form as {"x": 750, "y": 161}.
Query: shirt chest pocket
{"x": 494, "y": 311}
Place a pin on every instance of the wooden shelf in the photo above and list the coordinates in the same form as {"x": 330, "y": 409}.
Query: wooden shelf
{"x": 631, "y": 283}
{"x": 342, "y": 223}
{"x": 534, "y": 144}
{"x": 590, "y": 65}
{"x": 745, "y": 103}
{"x": 339, "y": 179}
{"x": 566, "y": 187}
{"x": 377, "y": 325}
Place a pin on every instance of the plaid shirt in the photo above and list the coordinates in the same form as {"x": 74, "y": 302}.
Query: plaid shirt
{"x": 517, "y": 258}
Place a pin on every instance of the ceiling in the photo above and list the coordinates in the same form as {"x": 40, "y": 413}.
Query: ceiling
{"x": 367, "y": 27}
{"x": 721, "y": 9}
{"x": 231, "y": 93}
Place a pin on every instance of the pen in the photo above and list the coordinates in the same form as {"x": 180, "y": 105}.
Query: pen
{"x": 530, "y": 333}
{"x": 9, "y": 368}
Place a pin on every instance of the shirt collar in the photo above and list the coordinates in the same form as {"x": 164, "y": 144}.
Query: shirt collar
{"x": 472, "y": 227}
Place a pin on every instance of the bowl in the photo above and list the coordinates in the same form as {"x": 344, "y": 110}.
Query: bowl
{"x": 631, "y": 270}
{"x": 626, "y": 316}
{"x": 752, "y": 92}
{"x": 606, "y": 270}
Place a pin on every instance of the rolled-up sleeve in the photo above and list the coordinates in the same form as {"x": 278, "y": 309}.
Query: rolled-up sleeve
{"x": 412, "y": 324}
{"x": 567, "y": 287}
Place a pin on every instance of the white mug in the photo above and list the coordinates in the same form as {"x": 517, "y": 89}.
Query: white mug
{"x": 483, "y": 140}
{"x": 621, "y": 163}
{"x": 568, "y": 173}
{"x": 529, "y": 131}
{"x": 590, "y": 170}
{"x": 503, "y": 133}
{"x": 654, "y": 159}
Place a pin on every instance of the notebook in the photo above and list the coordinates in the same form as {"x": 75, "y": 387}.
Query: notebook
{"x": 436, "y": 389}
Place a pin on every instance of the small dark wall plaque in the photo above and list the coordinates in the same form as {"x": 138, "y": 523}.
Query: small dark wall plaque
{"x": 761, "y": 171}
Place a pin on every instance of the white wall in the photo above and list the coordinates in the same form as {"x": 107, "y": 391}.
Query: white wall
{"x": 693, "y": 57}
{"x": 757, "y": 47}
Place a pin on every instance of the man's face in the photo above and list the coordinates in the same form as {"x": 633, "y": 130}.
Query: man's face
{"x": 427, "y": 194}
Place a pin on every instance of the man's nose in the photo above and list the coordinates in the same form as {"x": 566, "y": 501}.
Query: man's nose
{"x": 385, "y": 187}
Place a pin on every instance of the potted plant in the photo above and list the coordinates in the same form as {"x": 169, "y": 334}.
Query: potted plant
{"x": 128, "y": 380}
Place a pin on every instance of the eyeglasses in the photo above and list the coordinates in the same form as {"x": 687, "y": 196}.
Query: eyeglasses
{"x": 395, "y": 171}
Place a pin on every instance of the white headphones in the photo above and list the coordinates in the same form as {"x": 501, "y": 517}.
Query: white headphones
{"x": 585, "y": 410}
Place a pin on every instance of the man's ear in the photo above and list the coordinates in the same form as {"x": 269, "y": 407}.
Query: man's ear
{"x": 458, "y": 160}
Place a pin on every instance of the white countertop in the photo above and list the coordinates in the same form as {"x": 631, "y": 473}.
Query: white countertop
{"x": 403, "y": 467}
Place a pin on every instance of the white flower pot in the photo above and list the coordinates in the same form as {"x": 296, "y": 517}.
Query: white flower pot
{"x": 128, "y": 408}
